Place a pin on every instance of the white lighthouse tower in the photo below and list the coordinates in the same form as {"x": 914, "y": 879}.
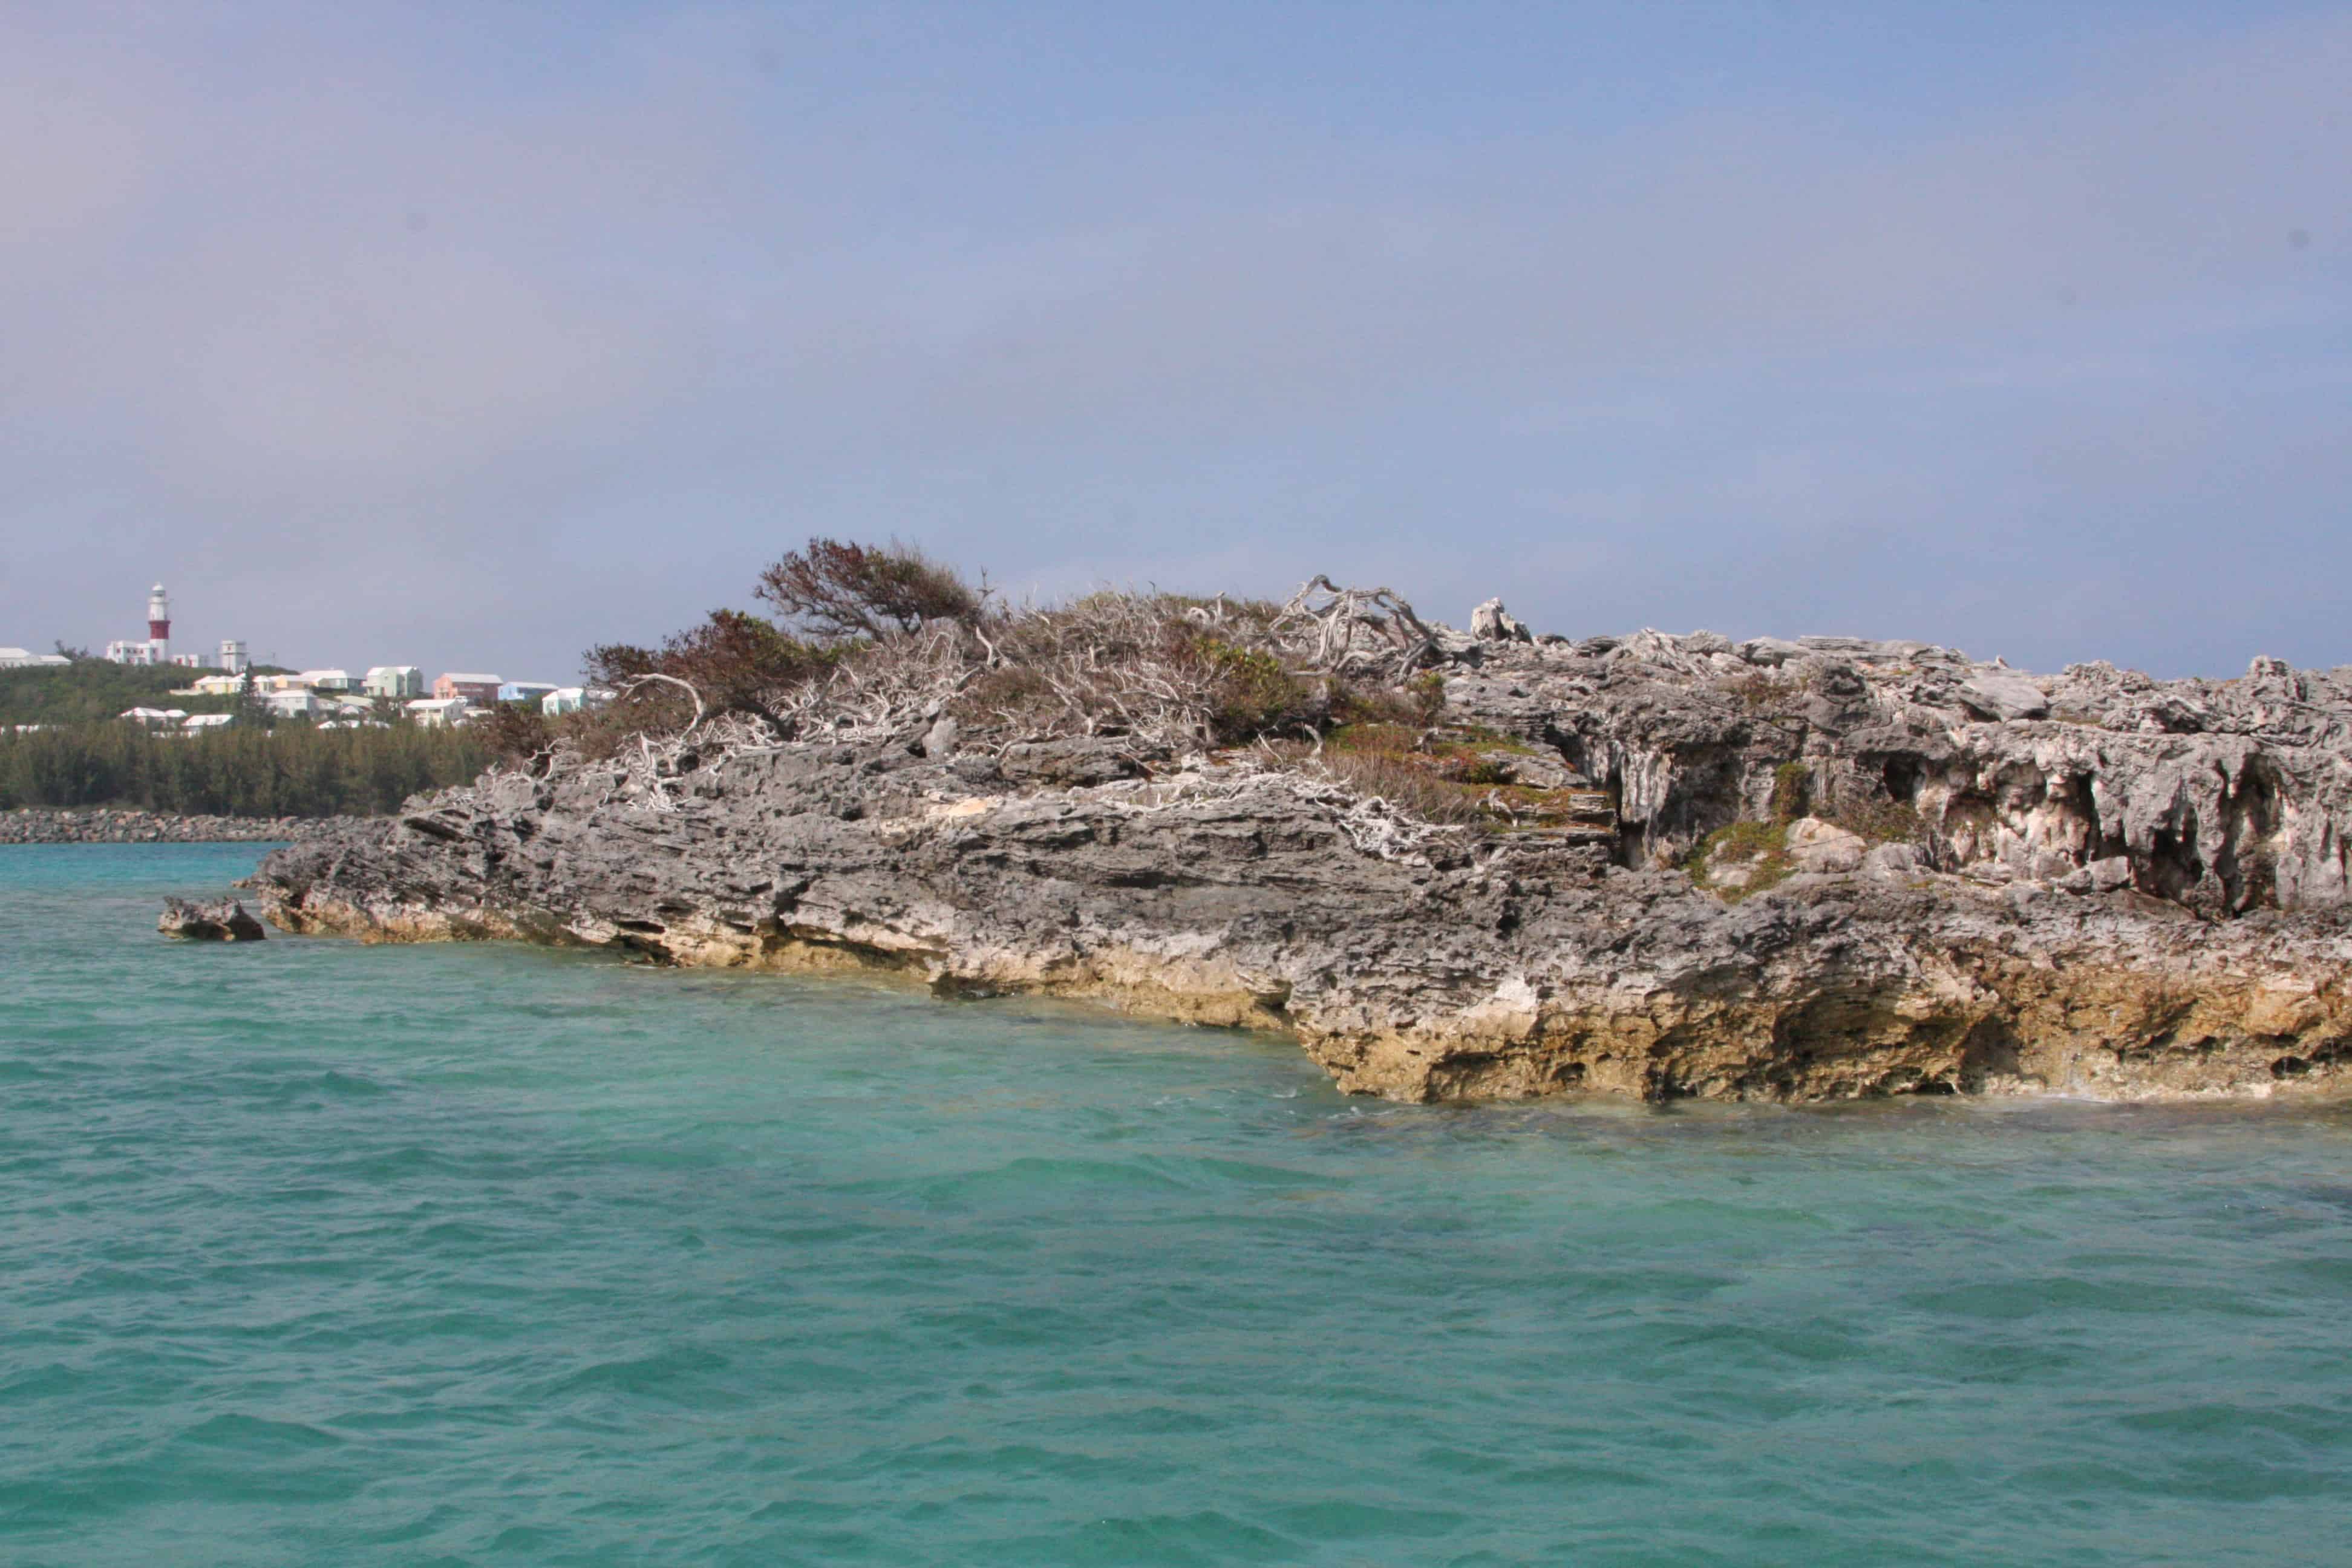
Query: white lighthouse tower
{"x": 159, "y": 624}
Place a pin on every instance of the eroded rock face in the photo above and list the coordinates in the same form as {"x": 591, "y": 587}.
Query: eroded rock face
{"x": 2224, "y": 796}
{"x": 2104, "y": 900}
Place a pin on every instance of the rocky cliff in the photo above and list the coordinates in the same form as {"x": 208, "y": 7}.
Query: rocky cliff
{"x": 1779, "y": 870}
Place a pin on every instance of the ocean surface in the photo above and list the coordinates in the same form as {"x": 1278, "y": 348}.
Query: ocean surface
{"x": 319, "y": 1253}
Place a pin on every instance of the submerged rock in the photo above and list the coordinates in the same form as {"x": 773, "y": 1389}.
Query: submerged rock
{"x": 215, "y": 920}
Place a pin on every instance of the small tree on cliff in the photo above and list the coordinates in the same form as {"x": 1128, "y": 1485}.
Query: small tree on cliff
{"x": 837, "y": 592}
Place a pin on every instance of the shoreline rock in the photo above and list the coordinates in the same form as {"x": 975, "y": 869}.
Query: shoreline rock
{"x": 210, "y": 920}
{"x": 1820, "y": 871}
{"x": 39, "y": 825}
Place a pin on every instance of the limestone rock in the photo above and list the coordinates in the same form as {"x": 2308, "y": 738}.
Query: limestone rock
{"x": 939, "y": 740}
{"x": 2108, "y": 876}
{"x": 1770, "y": 652}
{"x": 1892, "y": 862}
{"x": 212, "y": 920}
{"x": 1492, "y": 623}
{"x": 1998, "y": 694}
{"x": 1821, "y": 846}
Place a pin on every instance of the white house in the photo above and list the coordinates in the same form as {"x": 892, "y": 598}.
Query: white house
{"x": 156, "y": 718}
{"x": 572, "y": 699}
{"x": 328, "y": 680}
{"x": 436, "y": 713}
{"x": 206, "y": 720}
{"x": 398, "y": 681}
{"x": 298, "y": 703}
{"x": 524, "y": 691}
{"x": 17, "y": 659}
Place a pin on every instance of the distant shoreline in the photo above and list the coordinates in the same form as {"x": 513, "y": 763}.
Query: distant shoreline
{"x": 41, "y": 825}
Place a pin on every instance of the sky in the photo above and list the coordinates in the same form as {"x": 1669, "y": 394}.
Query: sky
{"x": 471, "y": 335}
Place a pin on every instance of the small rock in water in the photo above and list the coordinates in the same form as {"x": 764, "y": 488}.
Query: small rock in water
{"x": 219, "y": 920}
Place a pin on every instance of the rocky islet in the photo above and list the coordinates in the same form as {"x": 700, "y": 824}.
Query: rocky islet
{"x": 1780, "y": 869}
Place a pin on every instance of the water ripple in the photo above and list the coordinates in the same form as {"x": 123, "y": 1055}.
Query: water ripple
{"x": 330, "y": 1254}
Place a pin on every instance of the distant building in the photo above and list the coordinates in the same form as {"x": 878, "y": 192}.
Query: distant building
{"x": 125, "y": 652}
{"x": 573, "y": 700}
{"x": 328, "y": 680}
{"x": 524, "y": 691}
{"x": 17, "y": 659}
{"x": 157, "y": 718}
{"x": 232, "y": 656}
{"x": 190, "y": 661}
{"x": 436, "y": 713}
{"x": 395, "y": 680}
{"x": 481, "y": 691}
{"x": 299, "y": 702}
{"x": 206, "y": 720}
{"x": 216, "y": 686}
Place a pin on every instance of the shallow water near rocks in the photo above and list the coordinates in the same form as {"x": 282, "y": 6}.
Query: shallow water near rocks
{"x": 318, "y": 1253}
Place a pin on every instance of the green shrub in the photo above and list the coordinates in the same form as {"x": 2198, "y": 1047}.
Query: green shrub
{"x": 1763, "y": 845}
{"x": 1882, "y": 821}
{"x": 1254, "y": 695}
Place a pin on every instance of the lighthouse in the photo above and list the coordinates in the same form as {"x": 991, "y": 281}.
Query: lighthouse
{"x": 157, "y": 649}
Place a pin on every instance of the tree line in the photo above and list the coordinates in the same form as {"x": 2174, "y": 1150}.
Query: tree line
{"x": 236, "y": 770}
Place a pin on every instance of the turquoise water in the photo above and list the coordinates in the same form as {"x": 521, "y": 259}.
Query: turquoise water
{"x": 318, "y": 1253}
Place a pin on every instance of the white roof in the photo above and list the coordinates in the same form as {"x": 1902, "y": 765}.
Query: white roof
{"x": 324, "y": 675}
{"x": 432, "y": 703}
{"x": 206, "y": 720}
{"x": 391, "y": 669}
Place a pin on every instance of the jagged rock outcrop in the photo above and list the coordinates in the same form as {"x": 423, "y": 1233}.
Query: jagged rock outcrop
{"x": 1952, "y": 877}
{"x": 212, "y": 919}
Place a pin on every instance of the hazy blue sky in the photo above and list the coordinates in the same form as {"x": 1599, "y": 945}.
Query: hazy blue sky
{"x": 469, "y": 335}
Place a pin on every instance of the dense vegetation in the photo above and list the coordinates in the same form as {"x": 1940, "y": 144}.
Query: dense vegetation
{"x": 872, "y": 641}
{"x": 237, "y": 769}
{"x": 868, "y": 644}
{"x": 89, "y": 689}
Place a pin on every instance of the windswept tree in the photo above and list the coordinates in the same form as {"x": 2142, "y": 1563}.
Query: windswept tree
{"x": 837, "y": 593}
{"x": 736, "y": 663}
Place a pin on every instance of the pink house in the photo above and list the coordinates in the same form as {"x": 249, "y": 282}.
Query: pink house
{"x": 481, "y": 691}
